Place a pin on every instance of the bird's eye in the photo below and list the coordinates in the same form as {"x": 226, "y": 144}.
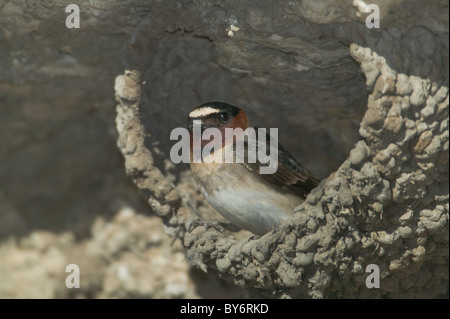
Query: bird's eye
{"x": 223, "y": 116}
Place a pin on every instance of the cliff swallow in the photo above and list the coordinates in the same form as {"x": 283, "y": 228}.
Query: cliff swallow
{"x": 238, "y": 191}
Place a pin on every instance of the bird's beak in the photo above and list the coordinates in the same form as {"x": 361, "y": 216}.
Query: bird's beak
{"x": 203, "y": 126}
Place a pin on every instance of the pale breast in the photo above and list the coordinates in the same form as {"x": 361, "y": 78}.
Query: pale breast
{"x": 243, "y": 198}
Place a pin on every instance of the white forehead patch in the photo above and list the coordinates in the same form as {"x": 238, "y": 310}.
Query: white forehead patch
{"x": 203, "y": 111}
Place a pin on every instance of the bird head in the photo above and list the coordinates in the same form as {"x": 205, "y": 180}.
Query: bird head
{"x": 218, "y": 115}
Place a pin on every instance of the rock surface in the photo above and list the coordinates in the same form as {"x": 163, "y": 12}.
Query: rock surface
{"x": 373, "y": 114}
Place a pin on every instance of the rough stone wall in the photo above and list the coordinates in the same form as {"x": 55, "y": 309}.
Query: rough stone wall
{"x": 373, "y": 114}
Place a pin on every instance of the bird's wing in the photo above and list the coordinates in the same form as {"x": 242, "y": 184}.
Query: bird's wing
{"x": 290, "y": 176}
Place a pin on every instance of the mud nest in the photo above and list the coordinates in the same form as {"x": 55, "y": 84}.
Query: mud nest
{"x": 386, "y": 204}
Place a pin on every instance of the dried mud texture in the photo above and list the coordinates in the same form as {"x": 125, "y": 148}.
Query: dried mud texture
{"x": 387, "y": 204}
{"x": 64, "y": 194}
{"x": 128, "y": 256}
